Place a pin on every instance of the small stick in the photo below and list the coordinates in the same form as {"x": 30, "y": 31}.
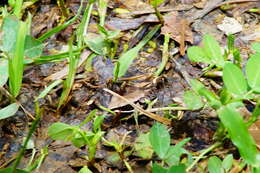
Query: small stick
{"x": 149, "y": 114}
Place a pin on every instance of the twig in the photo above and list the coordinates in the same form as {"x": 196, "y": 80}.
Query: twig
{"x": 149, "y": 114}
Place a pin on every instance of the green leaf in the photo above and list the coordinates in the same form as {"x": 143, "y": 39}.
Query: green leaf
{"x": 215, "y": 165}
{"x": 175, "y": 152}
{"x": 160, "y": 139}
{"x": 97, "y": 44}
{"x": 192, "y": 100}
{"x": 213, "y": 50}
{"x": 33, "y": 47}
{"x": 227, "y": 162}
{"x": 256, "y": 47}
{"x": 127, "y": 58}
{"x": 196, "y": 85}
{"x": 9, "y": 170}
{"x": 143, "y": 147}
{"x": 85, "y": 170}
{"x": 8, "y": 111}
{"x": 16, "y": 61}
{"x": 48, "y": 89}
{"x": 10, "y": 28}
{"x": 253, "y": 72}
{"x": 239, "y": 134}
{"x": 197, "y": 54}
{"x": 155, "y": 3}
{"x": 3, "y": 71}
{"x": 177, "y": 168}
{"x": 234, "y": 79}
{"x": 61, "y": 131}
{"x": 158, "y": 169}
{"x": 97, "y": 123}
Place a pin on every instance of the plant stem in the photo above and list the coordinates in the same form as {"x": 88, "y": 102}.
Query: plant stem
{"x": 217, "y": 144}
{"x": 158, "y": 14}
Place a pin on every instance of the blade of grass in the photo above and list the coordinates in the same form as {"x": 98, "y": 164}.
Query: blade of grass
{"x": 102, "y": 10}
{"x": 165, "y": 55}
{"x": 127, "y": 58}
{"x": 48, "y": 89}
{"x": 28, "y": 137}
{"x": 71, "y": 75}
{"x": 61, "y": 27}
{"x": 16, "y": 62}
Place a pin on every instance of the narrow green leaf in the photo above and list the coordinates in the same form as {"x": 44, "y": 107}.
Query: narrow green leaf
{"x": 253, "y": 72}
{"x": 160, "y": 139}
{"x": 97, "y": 123}
{"x": 8, "y": 111}
{"x": 215, "y": 165}
{"x": 48, "y": 89}
{"x": 9, "y": 170}
{"x": 16, "y": 62}
{"x": 239, "y": 134}
{"x": 197, "y": 54}
{"x": 213, "y": 50}
{"x": 158, "y": 169}
{"x": 127, "y": 58}
{"x": 234, "y": 79}
{"x": 177, "y": 168}
{"x": 192, "y": 100}
{"x": 3, "y": 71}
{"x": 227, "y": 162}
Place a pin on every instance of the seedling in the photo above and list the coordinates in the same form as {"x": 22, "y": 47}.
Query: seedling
{"x": 77, "y": 136}
{"x": 237, "y": 88}
{"x": 170, "y": 155}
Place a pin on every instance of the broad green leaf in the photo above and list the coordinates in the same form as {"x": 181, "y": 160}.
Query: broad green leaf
{"x": 177, "y": 168}
{"x": 142, "y": 146}
{"x": 158, "y": 169}
{"x": 3, "y": 71}
{"x": 160, "y": 139}
{"x": 33, "y": 47}
{"x": 239, "y": 134}
{"x": 215, "y": 165}
{"x": 61, "y": 131}
{"x": 213, "y": 50}
{"x": 85, "y": 170}
{"x": 175, "y": 152}
{"x": 256, "y": 47}
{"x": 16, "y": 61}
{"x": 253, "y": 72}
{"x": 97, "y": 44}
{"x": 197, "y": 54}
{"x": 196, "y": 85}
{"x": 127, "y": 58}
{"x": 227, "y": 162}
{"x": 225, "y": 96}
{"x": 8, "y": 111}
{"x": 234, "y": 79}
{"x": 10, "y": 28}
{"x": 192, "y": 100}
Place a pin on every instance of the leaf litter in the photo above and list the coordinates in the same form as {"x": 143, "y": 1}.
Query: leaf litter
{"x": 138, "y": 92}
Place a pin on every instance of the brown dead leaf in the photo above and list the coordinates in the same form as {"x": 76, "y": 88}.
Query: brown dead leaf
{"x": 133, "y": 96}
{"x": 178, "y": 28}
{"x": 254, "y": 130}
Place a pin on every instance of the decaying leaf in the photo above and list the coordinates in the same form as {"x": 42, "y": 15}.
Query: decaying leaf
{"x": 254, "y": 130}
{"x": 133, "y": 96}
{"x": 178, "y": 28}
